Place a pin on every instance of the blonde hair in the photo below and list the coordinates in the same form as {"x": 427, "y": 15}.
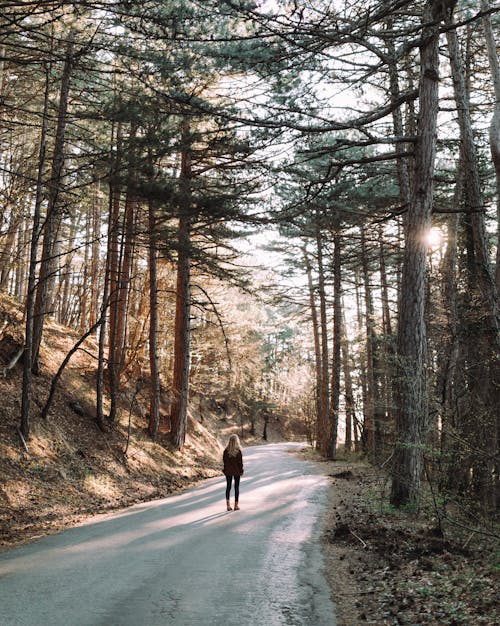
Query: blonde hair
{"x": 233, "y": 445}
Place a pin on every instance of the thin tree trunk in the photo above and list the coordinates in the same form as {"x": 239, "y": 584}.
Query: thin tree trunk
{"x": 113, "y": 269}
{"x": 370, "y": 425}
{"x": 455, "y": 469}
{"x": 180, "y": 386}
{"x": 125, "y": 283}
{"x": 397, "y": 120}
{"x": 316, "y": 337}
{"x": 53, "y": 218}
{"x": 94, "y": 263}
{"x": 483, "y": 336}
{"x": 67, "y": 358}
{"x": 348, "y": 388}
{"x": 30, "y": 296}
{"x": 66, "y": 286}
{"x": 325, "y": 393}
{"x": 362, "y": 364}
{"x": 154, "y": 402}
{"x": 127, "y": 260}
{"x": 105, "y": 303}
{"x": 84, "y": 299}
{"x": 22, "y": 260}
{"x": 495, "y": 121}
{"x": 412, "y": 398}
{"x": 386, "y": 313}
{"x": 337, "y": 363}
{"x": 387, "y": 351}
{"x": 6, "y": 265}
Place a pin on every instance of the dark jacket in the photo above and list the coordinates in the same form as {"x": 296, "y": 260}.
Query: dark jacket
{"x": 233, "y": 465}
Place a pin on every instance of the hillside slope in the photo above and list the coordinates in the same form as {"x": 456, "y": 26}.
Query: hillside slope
{"x": 71, "y": 469}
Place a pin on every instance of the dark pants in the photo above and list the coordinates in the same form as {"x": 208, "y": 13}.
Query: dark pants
{"x": 229, "y": 480}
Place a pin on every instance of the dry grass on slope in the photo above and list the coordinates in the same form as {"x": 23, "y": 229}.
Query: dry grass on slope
{"x": 388, "y": 567}
{"x": 72, "y": 470}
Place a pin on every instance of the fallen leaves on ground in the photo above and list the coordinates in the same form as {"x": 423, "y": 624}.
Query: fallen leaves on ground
{"x": 389, "y": 567}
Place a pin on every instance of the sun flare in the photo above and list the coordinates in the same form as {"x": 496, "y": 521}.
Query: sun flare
{"x": 433, "y": 238}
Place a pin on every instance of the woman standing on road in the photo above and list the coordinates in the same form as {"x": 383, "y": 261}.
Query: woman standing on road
{"x": 233, "y": 468}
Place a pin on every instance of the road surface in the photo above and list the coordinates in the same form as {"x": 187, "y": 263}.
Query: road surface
{"x": 184, "y": 560}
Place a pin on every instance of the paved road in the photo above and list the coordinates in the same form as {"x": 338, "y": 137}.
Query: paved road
{"x": 184, "y": 560}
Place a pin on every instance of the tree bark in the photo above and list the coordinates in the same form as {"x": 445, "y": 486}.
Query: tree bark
{"x": 387, "y": 351}
{"x": 325, "y": 392}
{"x": 53, "y": 218}
{"x": 384, "y": 287}
{"x": 495, "y": 121}
{"x": 155, "y": 388}
{"x": 316, "y": 337}
{"x": 412, "y": 407}
{"x": 113, "y": 268}
{"x": 348, "y": 388}
{"x": 180, "y": 383}
{"x": 446, "y": 377}
{"x": 483, "y": 335}
{"x": 127, "y": 260}
{"x": 94, "y": 260}
{"x": 370, "y": 426}
{"x": 362, "y": 364}
{"x": 30, "y": 296}
{"x": 109, "y": 297}
{"x": 65, "y": 285}
{"x": 6, "y": 265}
{"x": 397, "y": 120}
{"x": 333, "y": 419}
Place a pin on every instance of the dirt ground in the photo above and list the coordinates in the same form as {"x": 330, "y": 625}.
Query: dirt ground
{"x": 387, "y": 567}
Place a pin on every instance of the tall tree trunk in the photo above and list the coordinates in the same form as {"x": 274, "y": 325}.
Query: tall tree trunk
{"x": 370, "y": 426}
{"x": 333, "y": 419}
{"x": 66, "y": 279}
{"x": 348, "y": 388}
{"x": 121, "y": 259}
{"x": 113, "y": 262}
{"x": 412, "y": 407}
{"x": 362, "y": 363}
{"x": 483, "y": 336}
{"x": 154, "y": 398}
{"x": 30, "y": 296}
{"x": 387, "y": 351}
{"x": 6, "y": 264}
{"x": 85, "y": 297}
{"x": 127, "y": 260}
{"x": 180, "y": 383}
{"x": 22, "y": 262}
{"x": 53, "y": 218}
{"x": 446, "y": 378}
{"x": 495, "y": 153}
{"x": 124, "y": 284}
{"x": 316, "y": 337}
{"x": 495, "y": 121}
{"x": 94, "y": 262}
{"x": 325, "y": 392}
{"x": 384, "y": 287}
{"x": 109, "y": 296}
{"x": 397, "y": 120}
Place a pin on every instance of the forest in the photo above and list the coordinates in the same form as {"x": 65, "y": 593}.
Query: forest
{"x": 290, "y": 208}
